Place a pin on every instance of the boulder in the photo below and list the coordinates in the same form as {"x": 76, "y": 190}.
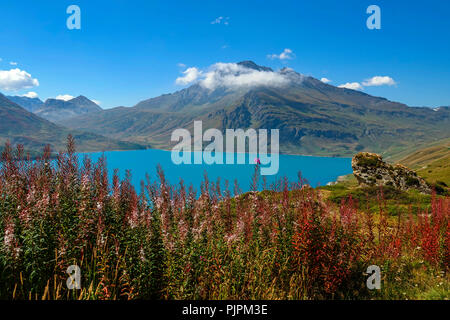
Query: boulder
{"x": 370, "y": 170}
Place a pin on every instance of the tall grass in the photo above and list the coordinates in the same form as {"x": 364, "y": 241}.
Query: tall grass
{"x": 170, "y": 242}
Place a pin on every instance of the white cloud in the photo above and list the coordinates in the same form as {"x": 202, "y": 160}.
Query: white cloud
{"x": 372, "y": 82}
{"x": 30, "y": 94}
{"x": 13, "y": 63}
{"x": 16, "y": 79}
{"x": 232, "y": 75}
{"x": 353, "y": 86}
{"x": 287, "y": 54}
{"x": 181, "y": 65}
{"x": 190, "y": 75}
{"x": 220, "y": 20}
{"x": 325, "y": 80}
{"x": 217, "y": 20}
{"x": 65, "y": 97}
{"x": 379, "y": 81}
{"x": 96, "y": 101}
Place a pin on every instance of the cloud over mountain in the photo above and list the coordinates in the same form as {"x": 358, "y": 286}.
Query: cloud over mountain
{"x": 64, "y": 97}
{"x": 16, "y": 79}
{"x": 352, "y": 85}
{"x": 30, "y": 95}
{"x": 190, "y": 75}
{"x": 372, "y": 82}
{"x": 232, "y": 75}
{"x": 379, "y": 81}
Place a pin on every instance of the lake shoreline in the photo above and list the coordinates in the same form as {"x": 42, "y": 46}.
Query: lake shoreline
{"x": 280, "y": 153}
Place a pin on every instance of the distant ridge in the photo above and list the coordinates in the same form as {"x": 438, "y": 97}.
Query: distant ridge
{"x": 57, "y": 110}
{"x": 29, "y": 104}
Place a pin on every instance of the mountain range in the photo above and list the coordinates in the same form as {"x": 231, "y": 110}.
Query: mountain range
{"x": 56, "y": 109}
{"x": 314, "y": 118}
{"x": 19, "y": 126}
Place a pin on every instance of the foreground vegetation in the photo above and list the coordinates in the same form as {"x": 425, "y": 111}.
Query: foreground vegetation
{"x": 170, "y": 242}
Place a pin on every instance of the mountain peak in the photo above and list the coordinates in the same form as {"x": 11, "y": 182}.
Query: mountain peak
{"x": 83, "y": 100}
{"x": 251, "y": 65}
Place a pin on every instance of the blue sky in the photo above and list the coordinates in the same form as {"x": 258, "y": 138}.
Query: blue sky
{"x": 127, "y": 51}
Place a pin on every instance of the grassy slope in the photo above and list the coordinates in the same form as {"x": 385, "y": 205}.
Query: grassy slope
{"x": 432, "y": 163}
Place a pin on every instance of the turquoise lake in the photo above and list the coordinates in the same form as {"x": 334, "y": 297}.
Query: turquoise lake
{"x": 317, "y": 170}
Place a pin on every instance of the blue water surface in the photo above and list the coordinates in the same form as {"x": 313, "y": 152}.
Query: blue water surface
{"x": 317, "y": 170}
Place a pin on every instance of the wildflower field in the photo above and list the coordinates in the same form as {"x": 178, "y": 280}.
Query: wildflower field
{"x": 174, "y": 242}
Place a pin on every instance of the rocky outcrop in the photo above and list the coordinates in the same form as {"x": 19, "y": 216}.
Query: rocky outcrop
{"x": 370, "y": 170}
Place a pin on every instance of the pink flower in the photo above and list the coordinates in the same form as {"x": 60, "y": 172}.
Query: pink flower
{"x": 9, "y": 235}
